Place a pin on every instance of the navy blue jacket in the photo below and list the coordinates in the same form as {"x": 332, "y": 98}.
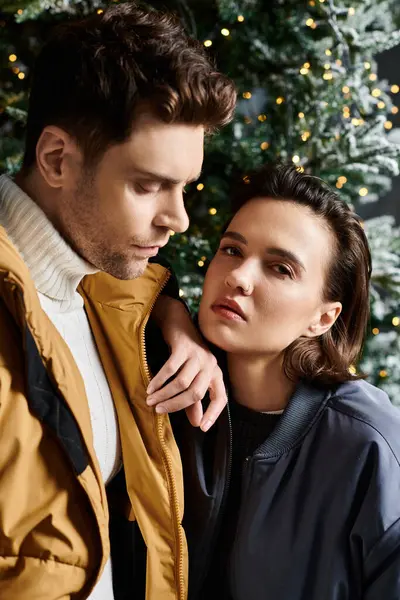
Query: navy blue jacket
{"x": 320, "y": 512}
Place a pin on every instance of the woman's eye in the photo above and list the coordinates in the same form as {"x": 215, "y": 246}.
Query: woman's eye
{"x": 282, "y": 270}
{"x": 230, "y": 250}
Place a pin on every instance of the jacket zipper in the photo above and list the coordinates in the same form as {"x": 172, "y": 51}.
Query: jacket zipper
{"x": 220, "y": 516}
{"x": 165, "y": 452}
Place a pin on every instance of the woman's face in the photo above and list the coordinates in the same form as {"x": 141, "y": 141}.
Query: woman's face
{"x": 264, "y": 286}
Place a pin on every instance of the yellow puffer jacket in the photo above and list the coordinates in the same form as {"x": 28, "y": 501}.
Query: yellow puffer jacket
{"x": 54, "y": 538}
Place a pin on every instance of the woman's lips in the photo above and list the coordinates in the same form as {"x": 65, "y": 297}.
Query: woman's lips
{"x": 227, "y": 313}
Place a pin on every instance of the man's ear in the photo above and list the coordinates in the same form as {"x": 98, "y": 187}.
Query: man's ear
{"x": 324, "y": 321}
{"x": 54, "y": 150}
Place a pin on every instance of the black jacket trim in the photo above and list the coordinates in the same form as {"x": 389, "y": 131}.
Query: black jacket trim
{"x": 50, "y": 408}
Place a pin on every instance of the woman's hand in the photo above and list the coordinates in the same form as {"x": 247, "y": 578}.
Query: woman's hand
{"x": 193, "y": 367}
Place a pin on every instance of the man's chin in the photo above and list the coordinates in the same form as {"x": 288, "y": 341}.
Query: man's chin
{"x": 128, "y": 271}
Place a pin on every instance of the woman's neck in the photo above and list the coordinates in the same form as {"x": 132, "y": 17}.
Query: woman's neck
{"x": 258, "y": 383}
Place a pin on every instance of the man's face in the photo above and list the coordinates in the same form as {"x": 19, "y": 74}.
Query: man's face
{"x": 120, "y": 214}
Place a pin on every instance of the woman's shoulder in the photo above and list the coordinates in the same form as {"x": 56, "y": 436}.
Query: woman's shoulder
{"x": 369, "y": 412}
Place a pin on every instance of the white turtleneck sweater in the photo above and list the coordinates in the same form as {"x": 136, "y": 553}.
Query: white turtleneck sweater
{"x": 57, "y": 271}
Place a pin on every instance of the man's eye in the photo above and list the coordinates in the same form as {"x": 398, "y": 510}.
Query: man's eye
{"x": 149, "y": 188}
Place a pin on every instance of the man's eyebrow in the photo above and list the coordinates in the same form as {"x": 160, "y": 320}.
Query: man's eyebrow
{"x": 238, "y": 237}
{"x": 165, "y": 178}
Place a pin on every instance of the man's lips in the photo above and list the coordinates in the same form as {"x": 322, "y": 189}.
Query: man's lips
{"x": 229, "y": 309}
{"x": 146, "y": 251}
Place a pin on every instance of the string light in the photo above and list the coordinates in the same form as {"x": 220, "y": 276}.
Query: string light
{"x": 342, "y": 179}
{"x": 200, "y": 186}
{"x": 201, "y": 263}
{"x": 300, "y": 169}
{"x": 208, "y": 43}
{"x": 181, "y": 293}
{"x": 204, "y": 258}
{"x": 327, "y": 66}
{"x": 20, "y": 11}
{"x": 345, "y": 89}
{"x": 328, "y": 52}
{"x": 388, "y": 124}
{"x": 100, "y": 11}
{"x": 225, "y": 32}
{"x": 395, "y": 110}
{"x": 262, "y": 118}
{"x": 246, "y": 179}
{"x": 264, "y": 146}
{"x": 363, "y": 191}
{"x": 309, "y": 22}
{"x": 355, "y": 121}
{"x": 375, "y": 331}
{"x": 247, "y": 95}
{"x": 381, "y": 104}
{"x": 373, "y": 77}
{"x": 311, "y": 3}
{"x": 367, "y": 65}
{"x": 212, "y": 211}
{"x": 305, "y": 135}
{"x": 240, "y": 18}
{"x": 383, "y": 373}
{"x": 171, "y": 232}
{"x": 21, "y": 75}
{"x": 279, "y": 100}
{"x": 15, "y": 70}
{"x": 395, "y": 89}
{"x": 306, "y": 65}
{"x": 12, "y": 57}
{"x": 352, "y": 370}
{"x": 327, "y": 76}
{"x": 296, "y": 158}
{"x": 338, "y": 62}
{"x": 304, "y": 71}
{"x": 376, "y": 92}
{"x": 396, "y": 321}
{"x": 301, "y": 115}
{"x": 352, "y": 11}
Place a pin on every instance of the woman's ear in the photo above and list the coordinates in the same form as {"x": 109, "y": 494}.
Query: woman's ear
{"x": 324, "y": 321}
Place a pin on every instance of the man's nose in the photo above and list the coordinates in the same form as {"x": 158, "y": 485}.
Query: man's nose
{"x": 172, "y": 214}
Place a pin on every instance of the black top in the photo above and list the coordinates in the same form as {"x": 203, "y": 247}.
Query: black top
{"x": 249, "y": 430}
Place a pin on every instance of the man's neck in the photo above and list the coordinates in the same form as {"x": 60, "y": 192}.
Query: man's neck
{"x": 259, "y": 382}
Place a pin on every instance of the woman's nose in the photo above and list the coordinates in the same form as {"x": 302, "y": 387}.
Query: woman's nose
{"x": 238, "y": 279}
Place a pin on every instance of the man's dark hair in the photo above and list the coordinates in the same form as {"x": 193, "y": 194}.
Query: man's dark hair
{"x": 92, "y": 76}
{"x": 327, "y": 358}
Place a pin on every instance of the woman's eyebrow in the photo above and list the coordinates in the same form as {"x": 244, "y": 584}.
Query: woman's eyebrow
{"x": 238, "y": 237}
{"x": 234, "y": 235}
{"x": 286, "y": 254}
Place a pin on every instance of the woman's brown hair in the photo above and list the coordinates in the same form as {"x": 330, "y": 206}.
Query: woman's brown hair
{"x": 327, "y": 358}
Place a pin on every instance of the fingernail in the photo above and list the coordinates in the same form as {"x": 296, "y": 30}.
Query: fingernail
{"x": 161, "y": 410}
{"x": 150, "y": 401}
{"x": 206, "y": 426}
{"x": 150, "y": 389}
